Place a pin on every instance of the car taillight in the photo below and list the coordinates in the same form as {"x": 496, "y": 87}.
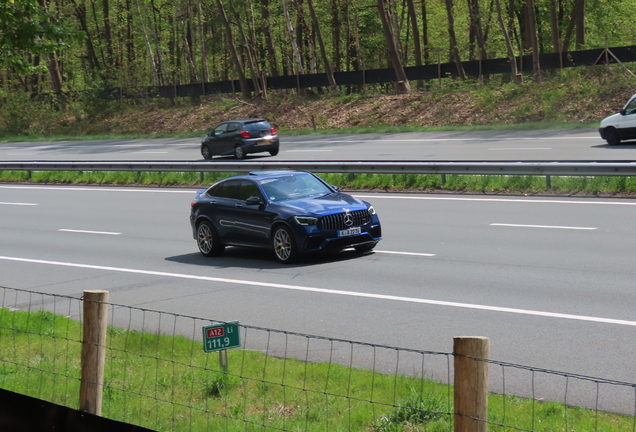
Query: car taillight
{"x": 245, "y": 134}
{"x": 193, "y": 203}
{"x": 273, "y": 131}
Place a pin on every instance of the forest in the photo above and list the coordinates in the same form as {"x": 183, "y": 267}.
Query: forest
{"x": 55, "y": 46}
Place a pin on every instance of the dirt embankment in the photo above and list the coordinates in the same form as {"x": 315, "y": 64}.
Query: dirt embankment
{"x": 549, "y": 102}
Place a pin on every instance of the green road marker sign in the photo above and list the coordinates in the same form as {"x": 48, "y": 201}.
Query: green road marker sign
{"x": 221, "y": 336}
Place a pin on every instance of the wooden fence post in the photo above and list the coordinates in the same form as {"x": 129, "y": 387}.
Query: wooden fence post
{"x": 471, "y": 383}
{"x": 93, "y": 351}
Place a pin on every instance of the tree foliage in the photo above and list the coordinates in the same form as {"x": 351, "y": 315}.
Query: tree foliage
{"x": 130, "y": 43}
{"x": 27, "y": 29}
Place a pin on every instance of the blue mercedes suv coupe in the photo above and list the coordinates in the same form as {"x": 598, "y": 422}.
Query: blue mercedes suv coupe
{"x": 290, "y": 212}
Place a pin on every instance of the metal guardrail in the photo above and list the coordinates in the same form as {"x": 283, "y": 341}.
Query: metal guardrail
{"x": 539, "y": 168}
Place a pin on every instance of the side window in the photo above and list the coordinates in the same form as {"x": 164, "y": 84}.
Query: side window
{"x": 228, "y": 189}
{"x": 220, "y": 128}
{"x": 248, "y": 190}
{"x": 631, "y": 107}
{"x": 231, "y": 189}
{"x": 232, "y": 127}
{"x": 216, "y": 191}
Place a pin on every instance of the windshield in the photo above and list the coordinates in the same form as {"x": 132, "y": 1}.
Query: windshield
{"x": 257, "y": 126}
{"x": 294, "y": 186}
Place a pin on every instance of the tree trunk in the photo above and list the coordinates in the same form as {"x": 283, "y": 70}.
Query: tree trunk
{"x": 54, "y": 72}
{"x": 323, "y": 52}
{"x": 188, "y": 43}
{"x": 554, "y": 26}
{"x": 204, "y": 56}
{"x": 475, "y": 23}
{"x": 403, "y": 85}
{"x": 303, "y": 28}
{"x": 80, "y": 13}
{"x": 569, "y": 31}
{"x": 336, "y": 35}
{"x": 531, "y": 27}
{"x": 292, "y": 40}
{"x": 453, "y": 40}
{"x": 108, "y": 37}
{"x": 425, "y": 33}
{"x": 162, "y": 64}
{"x": 516, "y": 76}
{"x": 269, "y": 38}
{"x": 251, "y": 55}
{"x": 579, "y": 5}
{"x": 417, "y": 43}
{"x": 151, "y": 57}
{"x": 245, "y": 90}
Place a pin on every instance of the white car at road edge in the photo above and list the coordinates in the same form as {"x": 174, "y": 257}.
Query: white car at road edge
{"x": 620, "y": 126}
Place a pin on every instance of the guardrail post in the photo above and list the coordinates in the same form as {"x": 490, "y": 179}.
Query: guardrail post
{"x": 471, "y": 383}
{"x": 548, "y": 182}
{"x": 93, "y": 351}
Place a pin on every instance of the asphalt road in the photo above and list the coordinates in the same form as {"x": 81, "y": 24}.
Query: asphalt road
{"x": 550, "y": 281}
{"x": 563, "y": 145}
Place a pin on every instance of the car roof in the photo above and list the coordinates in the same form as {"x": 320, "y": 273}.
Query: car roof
{"x": 260, "y": 175}
{"x": 249, "y": 120}
{"x": 275, "y": 173}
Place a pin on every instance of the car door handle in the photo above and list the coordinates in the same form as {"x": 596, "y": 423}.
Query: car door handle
{"x": 237, "y": 205}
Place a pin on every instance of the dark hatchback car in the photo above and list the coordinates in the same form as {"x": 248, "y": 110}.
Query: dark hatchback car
{"x": 240, "y": 138}
{"x": 290, "y": 212}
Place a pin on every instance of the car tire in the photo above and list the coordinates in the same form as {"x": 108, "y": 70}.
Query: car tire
{"x": 273, "y": 152}
{"x": 208, "y": 240}
{"x": 365, "y": 247}
{"x": 611, "y": 136}
{"x": 239, "y": 152}
{"x": 205, "y": 152}
{"x": 284, "y": 245}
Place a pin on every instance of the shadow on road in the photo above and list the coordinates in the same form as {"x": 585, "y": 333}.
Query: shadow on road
{"x": 248, "y": 258}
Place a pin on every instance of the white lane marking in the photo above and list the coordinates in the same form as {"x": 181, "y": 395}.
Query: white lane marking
{"x": 18, "y": 204}
{"x": 542, "y": 226}
{"x": 333, "y": 292}
{"x": 21, "y": 154}
{"x": 102, "y": 189}
{"x": 88, "y": 232}
{"x": 521, "y": 148}
{"x": 306, "y": 151}
{"x": 441, "y": 139}
{"x": 405, "y": 253}
{"x": 151, "y": 152}
{"x": 523, "y": 200}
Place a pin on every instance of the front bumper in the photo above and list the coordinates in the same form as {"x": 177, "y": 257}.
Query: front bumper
{"x": 313, "y": 239}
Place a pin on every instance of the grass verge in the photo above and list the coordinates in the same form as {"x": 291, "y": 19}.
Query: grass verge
{"x": 169, "y": 383}
{"x": 495, "y": 184}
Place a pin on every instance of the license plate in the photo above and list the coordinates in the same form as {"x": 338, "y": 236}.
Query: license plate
{"x": 265, "y": 140}
{"x": 349, "y": 232}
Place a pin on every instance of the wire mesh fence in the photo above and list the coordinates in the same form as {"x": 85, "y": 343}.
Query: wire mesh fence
{"x": 157, "y": 375}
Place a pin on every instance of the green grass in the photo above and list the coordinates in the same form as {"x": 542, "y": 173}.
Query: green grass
{"x": 383, "y": 182}
{"x": 169, "y": 383}
{"x": 398, "y": 129}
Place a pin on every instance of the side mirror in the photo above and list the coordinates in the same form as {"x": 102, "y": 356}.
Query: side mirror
{"x": 253, "y": 201}
{"x": 622, "y": 111}
{"x": 337, "y": 189}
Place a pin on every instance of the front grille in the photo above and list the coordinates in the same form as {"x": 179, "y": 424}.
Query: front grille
{"x": 337, "y": 221}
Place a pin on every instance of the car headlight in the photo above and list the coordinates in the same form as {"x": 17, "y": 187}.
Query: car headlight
{"x": 306, "y": 220}
{"x": 371, "y": 211}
